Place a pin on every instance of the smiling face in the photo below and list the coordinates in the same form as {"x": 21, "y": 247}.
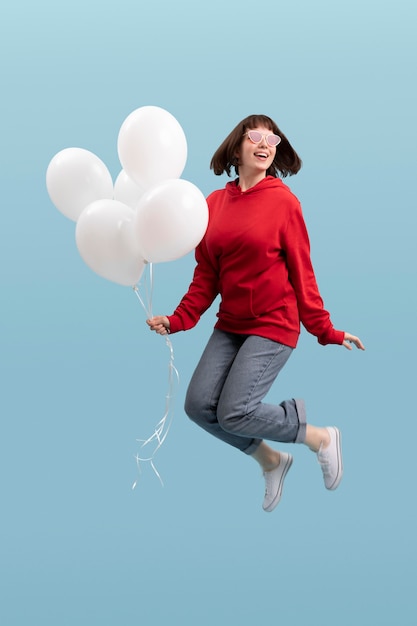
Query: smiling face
{"x": 255, "y": 159}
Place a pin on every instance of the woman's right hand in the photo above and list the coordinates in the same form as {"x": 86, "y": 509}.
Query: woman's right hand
{"x": 351, "y": 339}
{"x": 160, "y": 324}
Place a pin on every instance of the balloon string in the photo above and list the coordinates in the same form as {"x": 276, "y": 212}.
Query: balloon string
{"x": 162, "y": 427}
{"x": 147, "y": 303}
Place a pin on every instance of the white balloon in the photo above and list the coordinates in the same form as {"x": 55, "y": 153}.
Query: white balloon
{"x": 127, "y": 191}
{"x": 75, "y": 178}
{"x": 170, "y": 221}
{"x": 152, "y": 146}
{"x": 106, "y": 242}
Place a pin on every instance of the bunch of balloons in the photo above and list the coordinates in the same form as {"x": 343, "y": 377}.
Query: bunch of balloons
{"x": 149, "y": 215}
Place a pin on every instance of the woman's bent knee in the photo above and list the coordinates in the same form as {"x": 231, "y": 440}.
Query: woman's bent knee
{"x": 231, "y": 420}
{"x": 190, "y": 407}
{"x": 195, "y": 408}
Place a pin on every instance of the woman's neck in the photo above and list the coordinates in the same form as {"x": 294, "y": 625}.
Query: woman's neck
{"x": 248, "y": 181}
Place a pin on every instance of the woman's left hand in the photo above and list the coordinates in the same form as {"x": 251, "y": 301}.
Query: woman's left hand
{"x": 351, "y": 339}
{"x": 160, "y": 324}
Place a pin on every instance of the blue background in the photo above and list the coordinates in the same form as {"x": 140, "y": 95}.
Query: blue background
{"x": 82, "y": 378}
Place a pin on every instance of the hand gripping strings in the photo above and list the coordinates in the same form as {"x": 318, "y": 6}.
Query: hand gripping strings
{"x": 162, "y": 427}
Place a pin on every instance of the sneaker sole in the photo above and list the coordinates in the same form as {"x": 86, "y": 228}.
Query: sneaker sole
{"x": 277, "y": 498}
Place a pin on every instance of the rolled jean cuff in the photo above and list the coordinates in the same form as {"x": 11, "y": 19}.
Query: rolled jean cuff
{"x": 302, "y": 420}
{"x": 254, "y": 445}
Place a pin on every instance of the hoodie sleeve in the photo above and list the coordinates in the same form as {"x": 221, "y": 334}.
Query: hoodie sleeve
{"x": 200, "y": 295}
{"x": 313, "y": 315}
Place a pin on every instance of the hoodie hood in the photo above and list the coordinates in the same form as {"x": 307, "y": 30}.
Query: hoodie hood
{"x": 269, "y": 182}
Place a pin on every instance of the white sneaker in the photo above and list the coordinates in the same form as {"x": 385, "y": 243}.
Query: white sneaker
{"x": 330, "y": 459}
{"x": 274, "y": 481}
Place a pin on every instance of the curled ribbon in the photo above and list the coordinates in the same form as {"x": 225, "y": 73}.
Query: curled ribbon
{"x": 162, "y": 427}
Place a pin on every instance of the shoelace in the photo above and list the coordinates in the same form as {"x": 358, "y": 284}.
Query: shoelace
{"x": 267, "y": 482}
{"x": 267, "y": 485}
{"x": 323, "y": 459}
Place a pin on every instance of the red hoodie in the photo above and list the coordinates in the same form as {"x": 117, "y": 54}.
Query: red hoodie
{"x": 256, "y": 255}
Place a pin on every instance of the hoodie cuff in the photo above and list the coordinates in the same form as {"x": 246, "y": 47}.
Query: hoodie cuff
{"x": 174, "y": 324}
{"x": 334, "y": 336}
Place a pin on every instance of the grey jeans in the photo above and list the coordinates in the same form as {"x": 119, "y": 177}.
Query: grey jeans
{"x": 225, "y": 393}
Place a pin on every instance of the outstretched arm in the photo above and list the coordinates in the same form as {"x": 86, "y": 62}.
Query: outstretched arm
{"x": 349, "y": 339}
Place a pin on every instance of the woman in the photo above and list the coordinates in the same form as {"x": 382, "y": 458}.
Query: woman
{"x": 256, "y": 255}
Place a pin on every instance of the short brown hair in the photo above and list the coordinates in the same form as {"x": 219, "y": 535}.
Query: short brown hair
{"x": 286, "y": 161}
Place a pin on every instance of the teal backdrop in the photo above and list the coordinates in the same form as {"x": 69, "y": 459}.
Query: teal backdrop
{"x": 82, "y": 378}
